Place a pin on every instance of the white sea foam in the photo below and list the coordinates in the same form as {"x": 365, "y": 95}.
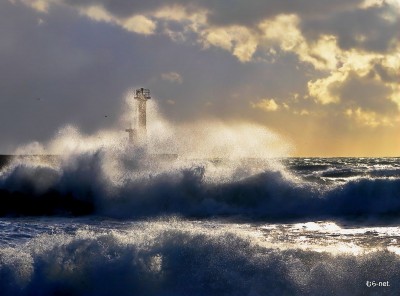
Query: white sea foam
{"x": 174, "y": 257}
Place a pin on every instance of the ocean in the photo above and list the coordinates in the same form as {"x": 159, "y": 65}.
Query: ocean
{"x": 107, "y": 224}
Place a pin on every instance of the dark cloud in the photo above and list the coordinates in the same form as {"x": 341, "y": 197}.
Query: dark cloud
{"x": 71, "y": 70}
{"x": 366, "y": 93}
{"x": 387, "y": 75}
{"x": 371, "y": 29}
{"x": 120, "y": 8}
{"x": 253, "y": 11}
{"x": 78, "y": 70}
{"x": 224, "y": 12}
{"x": 62, "y": 67}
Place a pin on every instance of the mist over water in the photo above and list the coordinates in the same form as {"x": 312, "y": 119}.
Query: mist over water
{"x": 203, "y": 139}
{"x": 231, "y": 215}
{"x": 104, "y": 170}
{"x": 222, "y": 169}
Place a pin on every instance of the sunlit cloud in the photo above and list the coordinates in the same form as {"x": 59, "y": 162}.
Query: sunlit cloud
{"x": 238, "y": 40}
{"x": 370, "y": 118}
{"x": 139, "y": 24}
{"x": 341, "y": 58}
{"x": 38, "y": 5}
{"x": 371, "y": 3}
{"x": 320, "y": 88}
{"x": 266, "y": 105}
{"x": 97, "y": 13}
{"x": 173, "y": 77}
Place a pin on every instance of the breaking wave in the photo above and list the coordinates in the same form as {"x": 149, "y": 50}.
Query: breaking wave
{"x": 236, "y": 169}
{"x": 128, "y": 187}
{"x": 177, "y": 258}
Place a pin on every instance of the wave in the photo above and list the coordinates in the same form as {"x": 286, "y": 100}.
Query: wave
{"x": 127, "y": 187}
{"x": 176, "y": 258}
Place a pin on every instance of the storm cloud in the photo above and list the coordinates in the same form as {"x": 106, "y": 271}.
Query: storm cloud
{"x": 281, "y": 63}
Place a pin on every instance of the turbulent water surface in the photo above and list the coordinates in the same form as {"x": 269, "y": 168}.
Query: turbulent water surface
{"x": 101, "y": 224}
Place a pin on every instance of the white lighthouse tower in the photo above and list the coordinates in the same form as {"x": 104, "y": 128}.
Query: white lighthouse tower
{"x": 138, "y": 136}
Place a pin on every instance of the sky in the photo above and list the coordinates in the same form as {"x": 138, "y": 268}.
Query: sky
{"x": 324, "y": 74}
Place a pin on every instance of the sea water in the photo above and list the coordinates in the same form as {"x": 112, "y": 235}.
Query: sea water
{"x": 95, "y": 224}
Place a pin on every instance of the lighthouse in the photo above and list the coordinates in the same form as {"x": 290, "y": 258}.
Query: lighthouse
{"x": 138, "y": 133}
{"x": 138, "y": 136}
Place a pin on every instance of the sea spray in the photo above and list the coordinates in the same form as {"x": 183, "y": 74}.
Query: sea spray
{"x": 121, "y": 187}
{"x": 221, "y": 170}
{"x": 174, "y": 257}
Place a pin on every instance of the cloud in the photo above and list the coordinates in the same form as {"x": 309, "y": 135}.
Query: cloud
{"x": 320, "y": 89}
{"x": 268, "y": 105}
{"x": 371, "y": 29}
{"x": 78, "y": 68}
{"x": 219, "y": 37}
{"x": 139, "y": 24}
{"x": 386, "y": 74}
{"x": 381, "y": 67}
{"x": 98, "y": 14}
{"x": 238, "y": 40}
{"x": 370, "y": 118}
{"x": 341, "y": 57}
{"x": 172, "y": 77}
{"x": 39, "y": 5}
{"x": 366, "y": 93}
{"x": 242, "y": 28}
